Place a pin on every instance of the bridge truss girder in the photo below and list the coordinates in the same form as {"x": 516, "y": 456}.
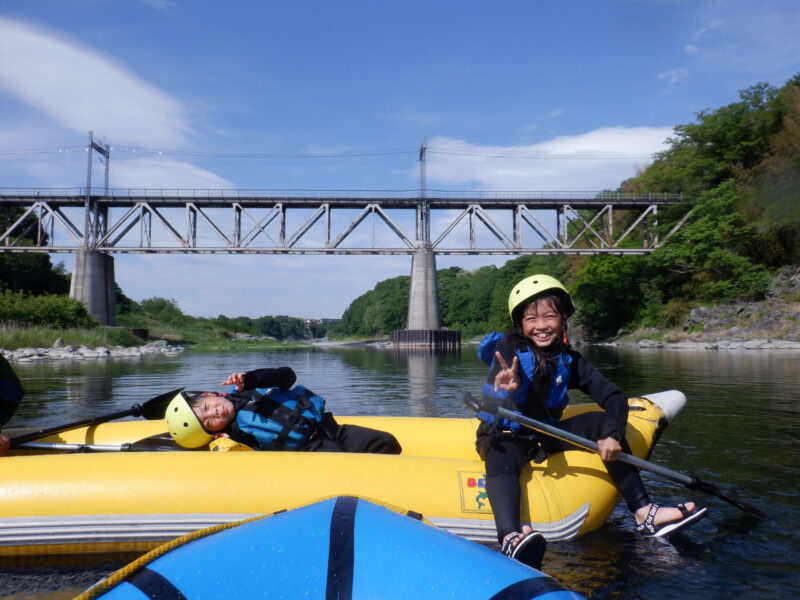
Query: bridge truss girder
{"x": 183, "y": 221}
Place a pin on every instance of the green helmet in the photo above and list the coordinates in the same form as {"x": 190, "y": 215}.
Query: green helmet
{"x": 183, "y": 425}
{"x": 536, "y": 285}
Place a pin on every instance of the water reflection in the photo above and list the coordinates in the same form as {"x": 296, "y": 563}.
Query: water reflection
{"x": 423, "y": 366}
{"x": 56, "y": 392}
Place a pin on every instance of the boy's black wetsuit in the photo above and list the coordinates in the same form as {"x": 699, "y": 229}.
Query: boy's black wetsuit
{"x": 330, "y": 437}
{"x": 506, "y": 453}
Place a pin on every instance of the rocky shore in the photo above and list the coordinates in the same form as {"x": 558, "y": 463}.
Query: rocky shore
{"x": 60, "y": 352}
{"x": 769, "y": 324}
{"x": 722, "y": 344}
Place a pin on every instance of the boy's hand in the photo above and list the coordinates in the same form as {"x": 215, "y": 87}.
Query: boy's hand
{"x": 5, "y": 443}
{"x": 236, "y": 379}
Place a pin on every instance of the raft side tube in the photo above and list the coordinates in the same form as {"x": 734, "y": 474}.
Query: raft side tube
{"x": 343, "y": 547}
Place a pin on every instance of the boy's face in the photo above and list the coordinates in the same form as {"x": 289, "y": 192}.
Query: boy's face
{"x": 214, "y": 412}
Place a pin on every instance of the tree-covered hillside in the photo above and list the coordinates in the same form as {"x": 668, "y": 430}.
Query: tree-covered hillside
{"x": 738, "y": 166}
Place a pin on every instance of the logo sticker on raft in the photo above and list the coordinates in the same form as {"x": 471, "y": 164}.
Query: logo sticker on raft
{"x": 472, "y": 485}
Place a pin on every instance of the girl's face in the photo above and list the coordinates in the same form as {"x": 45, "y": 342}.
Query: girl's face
{"x": 542, "y": 323}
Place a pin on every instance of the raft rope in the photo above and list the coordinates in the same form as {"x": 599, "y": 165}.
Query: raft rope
{"x": 126, "y": 572}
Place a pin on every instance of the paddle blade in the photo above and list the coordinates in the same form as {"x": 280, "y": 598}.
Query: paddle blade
{"x": 486, "y": 403}
{"x": 473, "y": 403}
{"x": 710, "y": 488}
{"x": 156, "y": 407}
{"x": 11, "y": 391}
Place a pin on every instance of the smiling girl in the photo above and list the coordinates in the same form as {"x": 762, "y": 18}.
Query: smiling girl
{"x": 533, "y": 366}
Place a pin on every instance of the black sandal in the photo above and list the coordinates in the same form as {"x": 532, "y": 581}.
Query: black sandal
{"x": 527, "y": 548}
{"x": 648, "y": 528}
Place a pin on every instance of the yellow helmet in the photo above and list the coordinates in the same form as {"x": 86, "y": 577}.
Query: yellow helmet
{"x": 183, "y": 425}
{"x": 536, "y": 285}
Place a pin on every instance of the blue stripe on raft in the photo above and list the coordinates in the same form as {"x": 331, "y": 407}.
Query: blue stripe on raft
{"x": 154, "y": 585}
{"x": 341, "y": 551}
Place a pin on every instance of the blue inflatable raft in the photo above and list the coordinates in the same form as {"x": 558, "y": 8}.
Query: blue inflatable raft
{"x": 342, "y": 548}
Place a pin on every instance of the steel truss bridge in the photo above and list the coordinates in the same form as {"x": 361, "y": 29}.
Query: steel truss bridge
{"x": 332, "y": 222}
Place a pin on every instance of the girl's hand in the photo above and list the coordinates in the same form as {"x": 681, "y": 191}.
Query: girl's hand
{"x": 236, "y": 379}
{"x": 609, "y": 449}
{"x": 507, "y": 378}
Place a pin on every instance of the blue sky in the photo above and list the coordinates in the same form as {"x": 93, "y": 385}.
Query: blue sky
{"x": 474, "y": 79}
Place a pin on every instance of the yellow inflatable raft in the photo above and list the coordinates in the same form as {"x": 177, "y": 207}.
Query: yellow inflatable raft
{"x": 70, "y": 503}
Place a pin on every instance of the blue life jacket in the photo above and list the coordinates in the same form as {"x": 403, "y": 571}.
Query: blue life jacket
{"x": 280, "y": 419}
{"x": 557, "y": 398}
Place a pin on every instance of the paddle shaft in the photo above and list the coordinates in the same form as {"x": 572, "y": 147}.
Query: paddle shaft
{"x": 73, "y": 447}
{"x": 152, "y": 409}
{"x": 590, "y": 445}
{"x": 691, "y": 482}
{"x": 135, "y": 410}
{"x": 159, "y": 442}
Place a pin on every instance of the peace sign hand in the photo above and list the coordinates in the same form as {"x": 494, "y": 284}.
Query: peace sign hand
{"x": 507, "y": 378}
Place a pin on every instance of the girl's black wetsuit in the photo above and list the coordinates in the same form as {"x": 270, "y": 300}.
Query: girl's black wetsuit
{"x": 506, "y": 452}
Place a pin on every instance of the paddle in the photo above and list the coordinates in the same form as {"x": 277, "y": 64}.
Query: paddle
{"x": 161, "y": 442}
{"x": 493, "y": 406}
{"x": 152, "y": 409}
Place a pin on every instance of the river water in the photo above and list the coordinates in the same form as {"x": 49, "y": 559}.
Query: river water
{"x": 739, "y": 430}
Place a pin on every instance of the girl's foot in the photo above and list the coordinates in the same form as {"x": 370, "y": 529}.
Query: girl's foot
{"x": 659, "y": 521}
{"x": 527, "y": 547}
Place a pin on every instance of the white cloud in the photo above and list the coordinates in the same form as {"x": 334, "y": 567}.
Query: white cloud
{"x": 256, "y": 285}
{"x": 164, "y": 174}
{"x": 691, "y": 49}
{"x": 755, "y": 39}
{"x": 697, "y": 35}
{"x": 674, "y": 75}
{"x": 80, "y": 89}
{"x": 555, "y": 114}
{"x": 599, "y": 159}
{"x": 165, "y": 6}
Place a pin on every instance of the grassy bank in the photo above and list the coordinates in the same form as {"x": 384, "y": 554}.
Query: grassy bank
{"x": 202, "y": 339}
{"x": 238, "y": 345}
{"x": 16, "y": 336}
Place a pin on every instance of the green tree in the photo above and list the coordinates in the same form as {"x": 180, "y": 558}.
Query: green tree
{"x": 165, "y": 311}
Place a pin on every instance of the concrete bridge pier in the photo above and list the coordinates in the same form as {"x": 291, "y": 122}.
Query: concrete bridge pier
{"x": 424, "y": 327}
{"x": 93, "y": 284}
{"x": 423, "y": 296}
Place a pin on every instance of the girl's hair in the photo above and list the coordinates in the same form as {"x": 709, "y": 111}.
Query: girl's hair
{"x": 518, "y": 338}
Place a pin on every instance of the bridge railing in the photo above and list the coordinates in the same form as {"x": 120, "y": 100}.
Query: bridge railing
{"x": 231, "y": 193}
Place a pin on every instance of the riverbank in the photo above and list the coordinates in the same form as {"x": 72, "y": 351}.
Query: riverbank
{"x": 723, "y": 344}
{"x": 58, "y": 352}
{"x": 769, "y": 324}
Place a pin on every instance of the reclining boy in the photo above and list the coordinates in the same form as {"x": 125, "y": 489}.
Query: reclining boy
{"x": 283, "y": 418}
